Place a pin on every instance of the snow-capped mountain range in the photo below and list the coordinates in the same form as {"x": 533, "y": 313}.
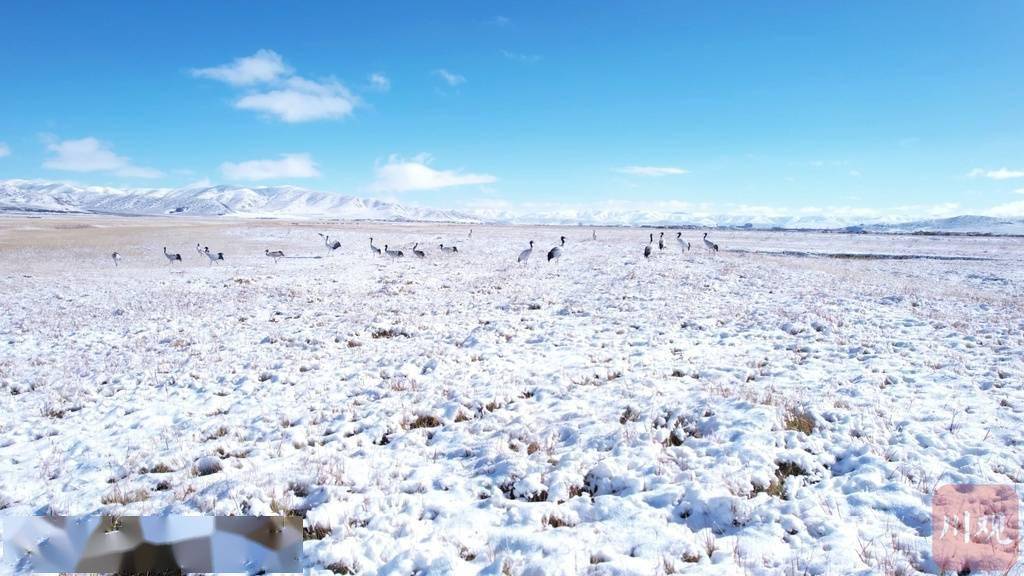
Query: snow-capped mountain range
{"x": 239, "y": 201}
{"x": 294, "y": 202}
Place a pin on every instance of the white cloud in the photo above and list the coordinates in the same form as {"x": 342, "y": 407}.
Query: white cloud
{"x": 288, "y": 166}
{"x": 451, "y": 78}
{"x": 380, "y": 82}
{"x": 5, "y": 150}
{"x": 653, "y": 171}
{"x": 855, "y": 173}
{"x": 522, "y": 57}
{"x": 91, "y": 155}
{"x": 404, "y": 175}
{"x": 999, "y": 174}
{"x": 1019, "y": 190}
{"x": 302, "y": 100}
{"x": 1009, "y": 210}
{"x": 283, "y": 94}
{"x": 263, "y": 66}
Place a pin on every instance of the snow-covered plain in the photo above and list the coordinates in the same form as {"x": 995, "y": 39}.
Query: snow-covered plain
{"x": 725, "y": 413}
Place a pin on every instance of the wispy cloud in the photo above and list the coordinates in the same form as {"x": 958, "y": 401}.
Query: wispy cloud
{"x": 287, "y": 166}
{"x": 826, "y": 163}
{"x": 5, "y": 150}
{"x": 651, "y": 171}
{"x": 451, "y": 78}
{"x": 1008, "y": 210}
{"x": 500, "y": 21}
{"x": 302, "y": 100}
{"x": 263, "y": 66}
{"x": 998, "y": 174}
{"x": 522, "y": 57}
{"x": 201, "y": 183}
{"x": 91, "y": 155}
{"x": 1019, "y": 191}
{"x": 380, "y": 82}
{"x": 281, "y": 93}
{"x": 406, "y": 175}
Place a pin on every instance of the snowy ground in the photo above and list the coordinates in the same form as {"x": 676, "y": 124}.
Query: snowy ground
{"x": 729, "y": 413}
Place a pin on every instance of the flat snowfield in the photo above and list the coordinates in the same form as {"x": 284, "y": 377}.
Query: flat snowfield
{"x": 730, "y": 412}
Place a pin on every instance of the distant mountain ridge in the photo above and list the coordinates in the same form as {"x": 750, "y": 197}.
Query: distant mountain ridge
{"x": 568, "y": 217}
{"x": 240, "y": 201}
{"x": 956, "y": 224}
{"x": 296, "y": 202}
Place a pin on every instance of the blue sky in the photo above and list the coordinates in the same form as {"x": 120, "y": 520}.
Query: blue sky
{"x": 884, "y": 107}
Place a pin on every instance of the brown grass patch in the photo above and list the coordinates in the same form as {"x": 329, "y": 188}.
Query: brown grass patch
{"x": 119, "y": 495}
{"x": 423, "y": 421}
{"x": 795, "y": 419}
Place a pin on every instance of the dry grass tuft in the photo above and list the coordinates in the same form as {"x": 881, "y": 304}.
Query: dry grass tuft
{"x": 423, "y": 421}
{"x": 158, "y": 468}
{"x": 553, "y": 521}
{"x": 784, "y": 470}
{"x": 343, "y": 568}
{"x": 119, "y": 495}
{"x": 795, "y": 419}
{"x": 630, "y": 414}
{"x": 316, "y": 531}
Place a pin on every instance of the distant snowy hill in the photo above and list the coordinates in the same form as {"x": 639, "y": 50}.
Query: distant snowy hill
{"x": 255, "y": 202}
{"x": 956, "y": 224}
{"x": 661, "y": 218}
{"x": 295, "y": 202}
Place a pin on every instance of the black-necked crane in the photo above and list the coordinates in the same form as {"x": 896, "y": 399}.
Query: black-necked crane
{"x": 661, "y": 241}
{"x": 213, "y": 256}
{"x": 525, "y": 254}
{"x": 330, "y": 245}
{"x": 116, "y": 258}
{"x": 393, "y": 253}
{"x": 683, "y": 244}
{"x": 274, "y": 254}
{"x": 418, "y": 253}
{"x": 171, "y": 258}
{"x": 449, "y": 249}
{"x": 199, "y": 249}
{"x": 556, "y": 252}
{"x": 709, "y": 244}
{"x": 647, "y": 249}
{"x": 373, "y": 249}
